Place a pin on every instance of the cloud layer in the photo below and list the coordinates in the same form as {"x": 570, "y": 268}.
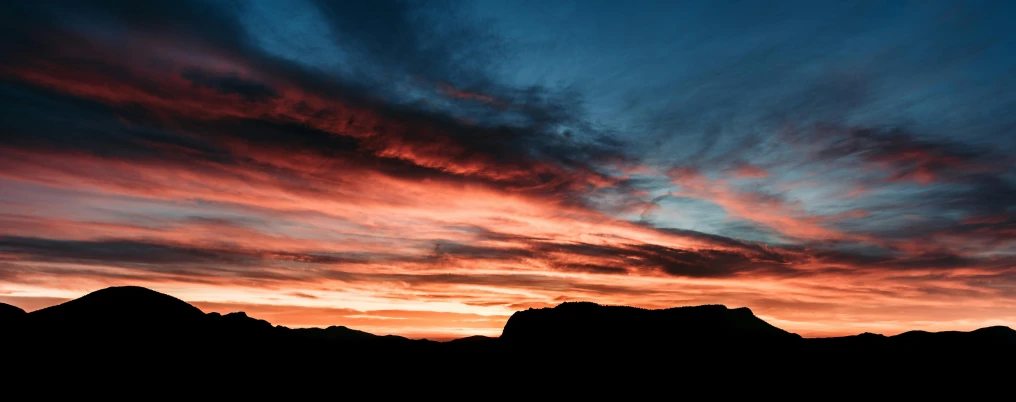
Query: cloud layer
{"x": 392, "y": 180}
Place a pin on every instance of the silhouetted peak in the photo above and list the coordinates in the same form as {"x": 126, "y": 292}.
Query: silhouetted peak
{"x": 340, "y": 328}
{"x": 472, "y": 339}
{"x": 916, "y": 332}
{"x": 9, "y": 313}
{"x": 335, "y": 332}
{"x": 989, "y": 337}
{"x": 997, "y": 334}
{"x": 996, "y": 330}
{"x": 121, "y": 304}
{"x": 239, "y": 320}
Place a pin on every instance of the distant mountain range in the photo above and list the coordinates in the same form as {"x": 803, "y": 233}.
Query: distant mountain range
{"x": 138, "y": 328}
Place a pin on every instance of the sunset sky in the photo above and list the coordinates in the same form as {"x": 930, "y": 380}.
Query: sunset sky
{"x": 426, "y": 169}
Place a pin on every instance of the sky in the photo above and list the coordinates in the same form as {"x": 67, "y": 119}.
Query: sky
{"x": 428, "y": 168}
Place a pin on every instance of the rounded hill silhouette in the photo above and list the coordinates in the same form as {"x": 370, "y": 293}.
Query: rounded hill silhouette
{"x": 120, "y": 306}
{"x": 11, "y": 314}
{"x": 137, "y": 330}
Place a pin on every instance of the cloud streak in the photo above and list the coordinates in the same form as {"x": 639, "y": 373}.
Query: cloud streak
{"x": 406, "y": 186}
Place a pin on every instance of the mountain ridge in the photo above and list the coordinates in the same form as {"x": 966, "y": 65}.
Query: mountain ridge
{"x": 581, "y": 325}
{"x": 9, "y": 313}
{"x": 604, "y": 344}
{"x": 140, "y": 303}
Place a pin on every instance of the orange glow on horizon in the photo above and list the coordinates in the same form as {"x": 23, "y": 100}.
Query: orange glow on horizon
{"x": 328, "y": 209}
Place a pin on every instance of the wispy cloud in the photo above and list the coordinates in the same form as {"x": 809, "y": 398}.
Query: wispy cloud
{"x": 408, "y": 186}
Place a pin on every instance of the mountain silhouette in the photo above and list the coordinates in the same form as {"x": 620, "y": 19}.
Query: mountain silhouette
{"x": 120, "y": 306}
{"x": 10, "y": 315}
{"x": 581, "y": 323}
{"x": 997, "y": 340}
{"x": 143, "y": 331}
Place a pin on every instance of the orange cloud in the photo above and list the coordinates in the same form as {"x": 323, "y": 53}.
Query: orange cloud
{"x": 456, "y": 93}
{"x": 305, "y": 207}
{"x": 786, "y": 217}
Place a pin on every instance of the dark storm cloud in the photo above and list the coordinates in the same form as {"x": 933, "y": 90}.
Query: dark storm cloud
{"x": 727, "y": 241}
{"x": 895, "y": 262}
{"x": 111, "y": 251}
{"x": 532, "y": 155}
{"x": 151, "y": 255}
{"x": 138, "y": 260}
{"x": 167, "y": 257}
{"x": 44, "y": 120}
{"x": 908, "y": 157}
{"x": 230, "y": 84}
{"x": 35, "y": 26}
{"x": 985, "y": 196}
{"x": 615, "y": 259}
{"x": 958, "y": 189}
{"x": 939, "y": 260}
{"x": 705, "y": 263}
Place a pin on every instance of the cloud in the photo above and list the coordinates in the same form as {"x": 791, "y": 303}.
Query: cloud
{"x": 905, "y": 157}
{"x": 229, "y": 84}
{"x": 108, "y": 251}
{"x": 785, "y": 216}
{"x": 407, "y": 40}
{"x": 473, "y": 96}
{"x": 749, "y": 172}
{"x": 172, "y": 144}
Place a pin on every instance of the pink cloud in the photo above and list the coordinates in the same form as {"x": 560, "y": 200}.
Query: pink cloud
{"x": 749, "y": 172}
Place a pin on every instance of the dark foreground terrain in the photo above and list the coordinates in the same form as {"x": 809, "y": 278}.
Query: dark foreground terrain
{"x": 133, "y": 336}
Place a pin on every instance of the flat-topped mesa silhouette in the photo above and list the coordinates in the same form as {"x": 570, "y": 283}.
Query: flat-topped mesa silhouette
{"x": 131, "y": 333}
{"x": 584, "y": 324}
{"x": 134, "y": 321}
